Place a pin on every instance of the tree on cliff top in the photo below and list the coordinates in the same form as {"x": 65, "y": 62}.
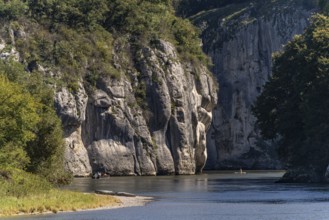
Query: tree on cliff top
{"x": 294, "y": 103}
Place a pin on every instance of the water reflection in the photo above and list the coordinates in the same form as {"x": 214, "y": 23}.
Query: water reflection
{"x": 143, "y": 185}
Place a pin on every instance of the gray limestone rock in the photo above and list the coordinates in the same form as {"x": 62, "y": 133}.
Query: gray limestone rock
{"x": 149, "y": 123}
{"x": 71, "y": 109}
{"x": 241, "y": 47}
{"x": 76, "y": 155}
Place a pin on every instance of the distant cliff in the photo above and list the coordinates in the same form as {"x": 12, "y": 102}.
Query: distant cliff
{"x": 240, "y": 39}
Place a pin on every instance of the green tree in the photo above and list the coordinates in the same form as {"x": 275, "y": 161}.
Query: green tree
{"x": 293, "y": 106}
{"x": 34, "y": 142}
{"x": 18, "y": 123}
{"x": 47, "y": 149}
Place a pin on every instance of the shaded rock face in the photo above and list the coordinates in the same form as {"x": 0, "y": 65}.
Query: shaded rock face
{"x": 241, "y": 49}
{"x": 153, "y": 120}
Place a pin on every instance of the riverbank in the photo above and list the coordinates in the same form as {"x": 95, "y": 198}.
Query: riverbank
{"x": 23, "y": 193}
{"x": 66, "y": 201}
{"x": 53, "y": 201}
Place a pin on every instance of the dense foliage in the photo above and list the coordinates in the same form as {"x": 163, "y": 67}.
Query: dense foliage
{"x": 30, "y": 131}
{"x": 18, "y": 120}
{"x": 294, "y": 104}
{"x": 150, "y": 20}
{"x": 76, "y": 37}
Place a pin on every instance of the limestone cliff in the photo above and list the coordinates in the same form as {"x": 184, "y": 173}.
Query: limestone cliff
{"x": 240, "y": 38}
{"x": 134, "y": 98}
{"x": 153, "y": 120}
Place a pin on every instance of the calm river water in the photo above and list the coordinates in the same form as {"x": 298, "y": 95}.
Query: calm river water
{"x": 217, "y": 196}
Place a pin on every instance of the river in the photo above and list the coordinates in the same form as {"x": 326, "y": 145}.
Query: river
{"x": 210, "y": 196}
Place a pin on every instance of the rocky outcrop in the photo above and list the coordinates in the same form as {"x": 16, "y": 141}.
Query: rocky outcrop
{"x": 71, "y": 109}
{"x": 151, "y": 120}
{"x": 240, "y": 40}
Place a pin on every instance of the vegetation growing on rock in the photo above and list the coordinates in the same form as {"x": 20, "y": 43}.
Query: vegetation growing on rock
{"x": 76, "y": 37}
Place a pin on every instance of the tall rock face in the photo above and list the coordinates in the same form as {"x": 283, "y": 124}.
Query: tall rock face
{"x": 152, "y": 120}
{"x": 129, "y": 103}
{"x": 72, "y": 108}
{"x": 240, "y": 39}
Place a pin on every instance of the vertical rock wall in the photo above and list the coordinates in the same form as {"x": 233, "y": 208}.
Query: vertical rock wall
{"x": 71, "y": 108}
{"x": 152, "y": 120}
{"x": 241, "y": 46}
